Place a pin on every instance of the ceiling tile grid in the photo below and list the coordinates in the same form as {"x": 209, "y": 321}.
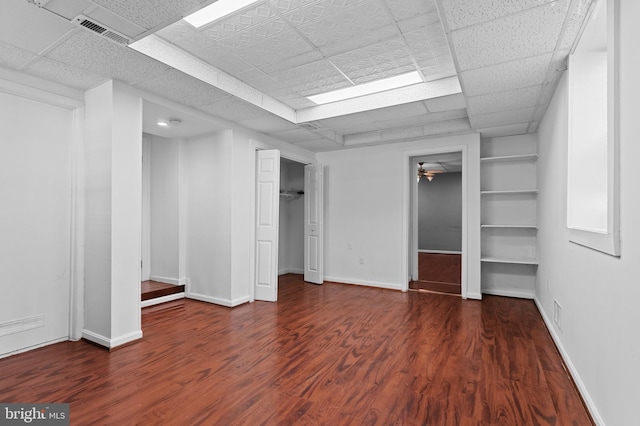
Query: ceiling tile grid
{"x": 464, "y": 13}
{"x": 151, "y": 13}
{"x": 64, "y": 74}
{"x": 502, "y": 118}
{"x": 518, "y": 36}
{"x": 504, "y": 101}
{"x": 506, "y": 76}
{"x": 407, "y": 9}
{"x": 92, "y": 53}
{"x": 14, "y": 57}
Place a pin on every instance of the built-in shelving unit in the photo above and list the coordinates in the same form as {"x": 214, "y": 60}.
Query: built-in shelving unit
{"x": 508, "y": 221}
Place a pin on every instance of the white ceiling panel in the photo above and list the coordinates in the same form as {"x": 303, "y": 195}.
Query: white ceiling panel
{"x": 233, "y": 109}
{"x": 504, "y": 101}
{"x": 408, "y": 9}
{"x": 149, "y": 14}
{"x": 296, "y": 136}
{"x": 183, "y": 88}
{"x": 445, "y": 103}
{"x": 506, "y": 76}
{"x": 320, "y": 145}
{"x": 532, "y": 32}
{"x": 68, "y": 8}
{"x": 398, "y": 112}
{"x": 502, "y": 118}
{"x": 29, "y": 27}
{"x": 61, "y": 73}
{"x": 268, "y": 124}
{"x": 463, "y": 13}
{"x": 14, "y": 57}
{"x": 92, "y": 53}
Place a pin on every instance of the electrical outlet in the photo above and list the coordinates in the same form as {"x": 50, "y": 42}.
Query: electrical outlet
{"x": 362, "y": 260}
{"x": 557, "y": 313}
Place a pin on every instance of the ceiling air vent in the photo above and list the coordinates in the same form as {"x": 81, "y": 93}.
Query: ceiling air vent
{"x": 97, "y": 28}
{"x": 311, "y": 125}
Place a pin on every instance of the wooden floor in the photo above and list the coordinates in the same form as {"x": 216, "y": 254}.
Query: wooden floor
{"x": 332, "y": 354}
{"x": 152, "y": 289}
{"x": 438, "y": 272}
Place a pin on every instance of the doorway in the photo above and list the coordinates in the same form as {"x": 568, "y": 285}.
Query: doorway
{"x": 438, "y": 228}
{"x": 291, "y": 232}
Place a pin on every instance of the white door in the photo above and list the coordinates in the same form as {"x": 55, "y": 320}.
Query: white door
{"x": 267, "y": 218}
{"x": 313, "y": 223}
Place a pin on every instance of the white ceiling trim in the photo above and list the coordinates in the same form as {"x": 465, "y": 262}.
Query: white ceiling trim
{"x": 163, "y": 51}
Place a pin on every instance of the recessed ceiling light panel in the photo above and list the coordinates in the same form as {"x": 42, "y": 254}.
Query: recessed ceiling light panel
{"x": 377, "y": 86}
{"x": 216, "y": 10}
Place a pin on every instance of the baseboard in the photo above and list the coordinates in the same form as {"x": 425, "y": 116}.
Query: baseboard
{"x": 364, "y": 283}
{"x": 168, "y": 280}
{"x": 586, "y": 397}
{"x": 111, "y": 343}
{"x": 161, "y": 299}
{"x": 474, "y": 296}
{"x": 32, "y": 347}
{"x": 440, "y": 251}
{"x": 217, "y": 300}
{"x": 508, "y": 293}
{"x": 291, "y": 271}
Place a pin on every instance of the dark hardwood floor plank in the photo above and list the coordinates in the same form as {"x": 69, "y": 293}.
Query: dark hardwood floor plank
{"x": 332, "y": 354}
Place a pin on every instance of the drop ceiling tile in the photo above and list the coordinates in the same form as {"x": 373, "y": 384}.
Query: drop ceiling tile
{"x": 446, "y": 103}
{"x": 506, "y": 76}
{"x": 503, "y": 118}
{"x": 14, "y": 57}
{"x": 408, "y": 9}
{"x": 320, "y": 145}
{"x": 92, "y": 53}
{"x": 285, "y": 6}
{"x": 180, "y": 87}
{"x": 315, "y": 11}
{"x": 149, "y": 14}
{"x": 295, "y": 136}
{"x": 51, "y": 70}
{"x": 334, "y": 28}
{"x": 358, "y": 39}
{"x": 504, "y": 101}
{"x": 419, "y": 21}
{"x": 295, "y": 61}
{"x": 28, "y": 27}
{"x": 526, "y": 34}
{"x": 375, "y": 13}
{"x": 347, "y": 121}
{"x": 398, "y": 112}
{"x": 233, "y": 109}
{"x": 268, "y": 124}
{"x": 463, "y": 13}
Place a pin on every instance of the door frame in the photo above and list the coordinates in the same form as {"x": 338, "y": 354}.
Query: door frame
{"x": 410, "y": 191}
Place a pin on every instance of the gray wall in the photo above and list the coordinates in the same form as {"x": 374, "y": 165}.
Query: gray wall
{"x": 291, "y": 233}
{"x": 440, "y": 212}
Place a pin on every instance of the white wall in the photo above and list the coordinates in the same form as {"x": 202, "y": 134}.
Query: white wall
{"x": 365, "y": 211}
{"x": 35, "y": 219}
{"x": 113, "y": 155}
{"x": 599, "y": 293}
{"x": 208, "y": 185}
{"x": 164, "y": 209}
{"x": 440, "y": 212}
{"x": 291, "y": 232}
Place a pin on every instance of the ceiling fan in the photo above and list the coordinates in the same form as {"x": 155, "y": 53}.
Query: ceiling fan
{"x": 428, "y": 170}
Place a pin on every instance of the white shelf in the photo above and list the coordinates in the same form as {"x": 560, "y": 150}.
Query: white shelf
{"x": 510, "y": 192}
{"x": 510, "y": 226}
{"x": 509, "y": 158}
{"x": 510, "y": 261}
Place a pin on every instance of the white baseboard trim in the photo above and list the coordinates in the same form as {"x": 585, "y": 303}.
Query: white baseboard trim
{"x": 32, "y": 347}
{"x": 291, "y": 271}
{"x": 364, "y": 283}
{"x": 161, "y": 299}
{"x": 474, "y": 296}
{"x": 217, "y": 300}
{"x": 168, "y": 280}
{"x": 440, "y": 251}
{"x": 509, "y": 293}
{"x": 111, "y": 343}
{"x": 591, "y": 406}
